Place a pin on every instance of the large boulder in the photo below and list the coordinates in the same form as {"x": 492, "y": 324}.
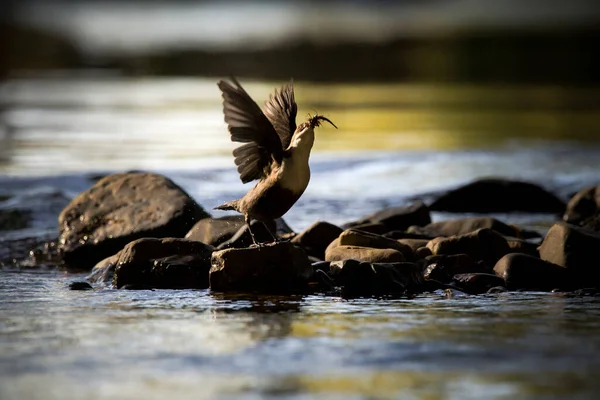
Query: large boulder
{"x": 397, "y": 218}
{"x": 498, "y": 195}
{"x": 482, "y": 245}
{"x": 522, "y": 271}
{"x": 351, "y": 237}
{"x": 366, "y": 254}
{"x": 317, "y": 237}
{"x": 465, "y": 225}
{"x": 584, "y": 208}
{"x": 169, "y": 263}
{"x": 576, "y": 249}
{"x": 121, "y": 208}
{"x": 271, "y": 268}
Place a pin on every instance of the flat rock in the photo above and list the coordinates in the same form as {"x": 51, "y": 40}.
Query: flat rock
{"x": 477, "y": 283}
{"x": 121, "y": 208}
{"x": 483, "y": 244}
{"x": 366, "y": 254}
{"x": 215, "y": 231}
{"x": 576, "y": 249}
{"x": 168, "y": 263}
{"x": 315, "y": 239}
{"x": 351, "y": 237}
{"x": 499, "y": 195}
{"x": 271, "y": 268}
{"x": 522, "y": 271}
{"x": 465, "y": 225}
{"x": 398, "y": 218}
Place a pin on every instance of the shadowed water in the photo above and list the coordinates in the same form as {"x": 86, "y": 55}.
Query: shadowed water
{"x": 394, "y": 142}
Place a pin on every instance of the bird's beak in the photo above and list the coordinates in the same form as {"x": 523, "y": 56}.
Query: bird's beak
{"x": 316, "y": 121}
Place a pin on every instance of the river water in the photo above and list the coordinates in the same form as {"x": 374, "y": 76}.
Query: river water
{"x": 394, "y": 142}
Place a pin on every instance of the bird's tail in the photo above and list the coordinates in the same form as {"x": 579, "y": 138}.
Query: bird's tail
{"x": 230, "y": 205}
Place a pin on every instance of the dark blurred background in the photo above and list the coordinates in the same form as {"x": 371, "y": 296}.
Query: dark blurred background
{"x": 509, "y": 41}
{"x": 131, "y": 84}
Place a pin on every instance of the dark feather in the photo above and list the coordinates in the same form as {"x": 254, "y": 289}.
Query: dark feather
{"x": 281, "y": 110}
{"x": 248, "y": 124}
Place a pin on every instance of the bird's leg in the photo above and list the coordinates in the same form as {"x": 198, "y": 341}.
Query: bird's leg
{"x": 275, "y": 238}
{"x": 247, "y": 219}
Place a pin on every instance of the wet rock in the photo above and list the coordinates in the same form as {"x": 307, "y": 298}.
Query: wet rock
{"x": 465, "y": 225}
{"x": 119, "y": 209}
{"x": 14, "y": 219}
{"x": 80, "y": 286}
{"x": 574, "y": 248}
{"x": 414, "y": 244}
{"x": 583, "y": 205}
{"x": 365, "y": 279}
{"x": 136, "y": 286}
{"x": 497, "y": 289}
{"x": 522, "y": 271}
{"x": 353, "y": 237}
{"x": 499, "y": 195}
{"x": 397, "y": 235}
{"x": 483, "y": 244}
{"x": 443, "y": 267}
{"x": 422, "y": 253}
{"x": 398, "y": 218}
{"x": 243, "y": 238}
{"x": 366, "y": 254}
{"x": 371, "y": 227}
{"x": 322, "y": 265}
{"x": 215, "y": 231}
{"x": 168, "y": 263}
{"x": 522, "y": 246}
{"x": 272, "y": 268}
{"x": 477, "y": 283}
{"x": 315, "y": 239}
{"x": 104, "y": 271}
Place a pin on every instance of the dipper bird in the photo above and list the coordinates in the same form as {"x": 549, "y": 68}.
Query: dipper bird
{"x": 275, "y": 152}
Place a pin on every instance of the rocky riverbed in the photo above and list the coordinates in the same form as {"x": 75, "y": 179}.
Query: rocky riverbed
{"x": 140, "y": 230}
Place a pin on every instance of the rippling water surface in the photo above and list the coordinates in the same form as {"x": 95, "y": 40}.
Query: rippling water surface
{"x": 394, "y": 142}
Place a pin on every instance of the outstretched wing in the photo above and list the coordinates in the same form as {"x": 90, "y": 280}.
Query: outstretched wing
{"x": 248, "y": 124}
{"x": 281, "y": 110}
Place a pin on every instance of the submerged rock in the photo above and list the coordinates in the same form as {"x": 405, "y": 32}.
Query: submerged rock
{"x": 477, "y": 283}
{"x": 169, "y": 263}
{"x": 120, "y": 208}
{"x": 14, "y": 219}
{"x": 315, "y": 239}
{"x": 271, "y": 268}
{"x": 499, "y": 195}
{"x": 366, "y": 254}
{"x": 104, "y": 271}
{"x": 483, "y": 244}
{"x": 576, "y": 249}
{"x": 366, "y": 279}
{"x": 397, "y": 218}
{"x": 522, "y": 271}
{"x": 80, "y": 286}
{"x": 443, "y": 267}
